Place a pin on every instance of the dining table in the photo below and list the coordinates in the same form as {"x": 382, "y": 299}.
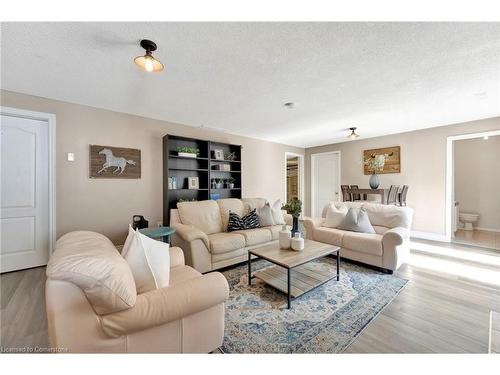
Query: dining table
{"x": 382, "y": 192}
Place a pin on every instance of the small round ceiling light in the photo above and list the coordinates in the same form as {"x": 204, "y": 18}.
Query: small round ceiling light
{"x": 289, "y": 105}
{"x": 353, "y": 134}
{"x": 148, "y": 62}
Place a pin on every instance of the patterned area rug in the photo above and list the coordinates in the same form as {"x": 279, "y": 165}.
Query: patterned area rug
{"x": 324, "y": 320}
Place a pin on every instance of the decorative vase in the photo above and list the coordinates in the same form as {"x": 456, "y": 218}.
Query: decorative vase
{"x": 297, "y": 242}
{"x": 295, "y": 226}
{"x": 374, "y": 181}
{"x": 284, "y": 238}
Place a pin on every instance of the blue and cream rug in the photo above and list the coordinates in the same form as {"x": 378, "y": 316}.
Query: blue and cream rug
{"x": 324, "y": 320}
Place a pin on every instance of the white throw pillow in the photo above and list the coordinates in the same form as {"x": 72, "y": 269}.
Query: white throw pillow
{"x": 128, "y": 241}
{"x": 334, "y": 215}
{"x": 277, "y": 213}
{"x": 265, "y": 215}
{"x": 149, "y": 261}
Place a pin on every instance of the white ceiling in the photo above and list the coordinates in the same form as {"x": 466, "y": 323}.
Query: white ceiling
{"x": 381, "y": 77}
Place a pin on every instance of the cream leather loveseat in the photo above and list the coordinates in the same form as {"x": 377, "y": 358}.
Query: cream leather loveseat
{"x": 93, "y": 307}
{"x": 388, "y": 248}
{"x": 200, "y": 231}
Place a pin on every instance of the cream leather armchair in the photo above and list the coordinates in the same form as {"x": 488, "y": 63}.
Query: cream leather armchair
{"x": 185, "y": 317}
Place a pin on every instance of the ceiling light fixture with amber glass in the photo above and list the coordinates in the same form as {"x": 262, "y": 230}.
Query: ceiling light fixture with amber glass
{"x": 148, "y": 62}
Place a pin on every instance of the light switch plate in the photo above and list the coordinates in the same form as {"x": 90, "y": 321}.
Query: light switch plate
{"x": 70, "y": 156}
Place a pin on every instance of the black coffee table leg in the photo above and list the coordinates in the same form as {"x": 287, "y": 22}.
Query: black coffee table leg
{"x": 289, "y": 281}
{"x": 338, "y": 265}
{"x": 249, "y": 269}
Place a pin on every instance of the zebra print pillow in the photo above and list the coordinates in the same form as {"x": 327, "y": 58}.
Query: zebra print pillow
{"x": 249, "y": 221}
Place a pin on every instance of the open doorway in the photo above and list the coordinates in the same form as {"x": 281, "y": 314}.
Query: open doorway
{"x": 294, "y": 184}
{"x": 475, "y": 212}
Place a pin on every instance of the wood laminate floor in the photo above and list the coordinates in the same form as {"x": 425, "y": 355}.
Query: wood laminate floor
{"x": 484, "y": 238}
{"x": 445, "y": 307}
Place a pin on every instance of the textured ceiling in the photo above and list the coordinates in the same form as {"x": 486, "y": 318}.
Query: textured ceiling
{"x": 381, "y": 77}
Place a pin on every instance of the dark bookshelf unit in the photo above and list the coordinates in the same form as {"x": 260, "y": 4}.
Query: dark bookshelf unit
{"x": 204, "y": 166}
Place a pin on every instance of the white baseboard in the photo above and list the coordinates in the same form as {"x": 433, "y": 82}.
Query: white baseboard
{"x": 488, "y": 229}
{"x": 429, "y": 236}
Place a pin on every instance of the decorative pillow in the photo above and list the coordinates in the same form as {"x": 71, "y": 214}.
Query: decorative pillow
{"x": 149, "y": 261}
{"x": 265, "y": 215}
{"x": 356, "y": 220}
{"x": 249, "y": 221}
{"x": 335, "y": 215}
{"x": 277, "y": 213}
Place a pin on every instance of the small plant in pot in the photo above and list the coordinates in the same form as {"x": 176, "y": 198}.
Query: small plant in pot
{"x": 213, "y": 184}
{"x": 230, "y": 182}
{"x": 294, "y": 208}
{"x": 188, "y": 152}
{"x": 218, "y": 183}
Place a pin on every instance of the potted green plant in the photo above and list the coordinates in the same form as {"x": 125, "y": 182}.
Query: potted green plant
{"x": 188, "y": 152}
{"x": 294, "y": 208}
{"x": 218, "y": 183}
{"x": 230, "y": 182}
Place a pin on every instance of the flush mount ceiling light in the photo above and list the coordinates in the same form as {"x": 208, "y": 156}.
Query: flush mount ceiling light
{"x": 353, "y": 134}
{"x": 148, "y": 62}
{"x": 289, "y": 105}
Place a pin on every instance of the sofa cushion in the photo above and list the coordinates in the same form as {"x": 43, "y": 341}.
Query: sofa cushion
{"x": 334, "y": 215}
{"x": 230, "y": 205}
{"x": 149, "y": 261}
{"x": 275, "y": 231}
{"x": 251, "y": 203}
{"x": 370, "y": 243}
{"x": 90, "y": 261}
{"x": 225, "y": 242}
{"x": 256, "y": 236}
{"x": 204, "y": 215}
{"x": 265, "y": 214}
{"x": 389, "y": 216}
{"x": 356, "y": 221}
{"x": 331, "y": 236}
{"x": 277, "y": 213}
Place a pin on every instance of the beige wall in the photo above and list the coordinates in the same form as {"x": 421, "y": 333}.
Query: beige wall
{"x": 423, "y": 168}
{"x": 477, "y": 179}
{"x": 107, "y": 206}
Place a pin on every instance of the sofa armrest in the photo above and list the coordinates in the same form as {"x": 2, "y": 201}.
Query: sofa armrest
{"x": 176, "y": 257}
{"x": 164, "y": 305}
{"x": 189, "y": 233}
{"x": 394, "y": 237}
{"x": 310, "y": 224}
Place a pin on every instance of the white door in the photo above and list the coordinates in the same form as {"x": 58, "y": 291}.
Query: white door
{"x": 325, "y": 181}
{"x": 24, "y": 174}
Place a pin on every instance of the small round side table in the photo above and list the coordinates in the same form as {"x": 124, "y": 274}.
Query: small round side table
{"x": 158, "y": 232}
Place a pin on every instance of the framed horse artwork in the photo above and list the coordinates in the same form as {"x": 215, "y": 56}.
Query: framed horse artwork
{"x": 114, "y": 162}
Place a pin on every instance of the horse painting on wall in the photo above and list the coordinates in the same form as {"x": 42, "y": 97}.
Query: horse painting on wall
{"x": 114, "y": 162}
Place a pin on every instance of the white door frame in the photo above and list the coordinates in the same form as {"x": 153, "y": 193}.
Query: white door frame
{"x": 313, "y": 157}
{"x": 450, "y": 172}
{"x": 51, "y": 121}
{"x": 301, "y": 178}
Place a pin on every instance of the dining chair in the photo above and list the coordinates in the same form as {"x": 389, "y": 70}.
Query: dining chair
{"x": 402, "y": 195}
{"x": 392, "y": 198}
{"x": 346, "y": 197}
{"x": 357, "y": 197}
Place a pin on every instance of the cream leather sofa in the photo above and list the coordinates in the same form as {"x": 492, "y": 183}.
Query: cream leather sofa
{"x": 200, "y": 231}
{"x": 388, "y": 248}
{"x": 93, "y": 307}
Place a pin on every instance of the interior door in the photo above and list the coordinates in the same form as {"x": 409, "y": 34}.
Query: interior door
{"x": 326, "y": 181}
{"x": 24, "y": 210}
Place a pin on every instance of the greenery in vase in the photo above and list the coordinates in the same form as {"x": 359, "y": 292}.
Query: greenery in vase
{"x": 230, "y": 180}
{"x": 189, "y": 150}
{"x": 186, "y": 200}
{"x": 294, "y": 207}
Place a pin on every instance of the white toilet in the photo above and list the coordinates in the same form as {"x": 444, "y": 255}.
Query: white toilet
{"x": 468, "y": 219}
